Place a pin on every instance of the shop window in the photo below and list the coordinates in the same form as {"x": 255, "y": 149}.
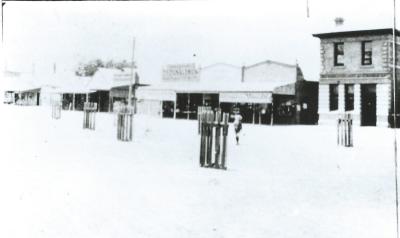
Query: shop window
{"x": 349, "y": 97}
{"x": 366, "y": 51}
{"x": 339, "y": 54}
{"x": 333, "y": 97}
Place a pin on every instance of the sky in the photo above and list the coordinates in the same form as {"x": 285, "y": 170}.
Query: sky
{"x": 38, "y": 35}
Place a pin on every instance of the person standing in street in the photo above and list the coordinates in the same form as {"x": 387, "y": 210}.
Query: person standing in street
{"x": 237, "y": 123}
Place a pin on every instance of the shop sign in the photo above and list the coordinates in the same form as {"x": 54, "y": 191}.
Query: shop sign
{"x": 181, "y": 72}
{"x": 123, "y": 77}
{"x": 246, "y": 97}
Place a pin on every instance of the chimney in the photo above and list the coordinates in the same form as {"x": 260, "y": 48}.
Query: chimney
{"x": 339, "y": 21}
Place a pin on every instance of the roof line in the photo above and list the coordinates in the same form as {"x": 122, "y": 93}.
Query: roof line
{"x": 220, "y": 63}
{"x": 272, "y": 62}
{"x": 381, "y": 31}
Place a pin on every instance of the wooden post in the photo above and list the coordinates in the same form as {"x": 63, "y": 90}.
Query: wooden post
{"x": 175, "y": 108}
{"x": 73, "y": 101}
{"x": 202, "y": 140}
{"x": 272, "y": 114}
{"x": 188, "y": 107}
{"x": 210, "y": 137}
{"x": 254, "y": 112}
{"x": 217, "y": 124}
{"x": 338, "y": 131}
{"x": 224, "y": 140}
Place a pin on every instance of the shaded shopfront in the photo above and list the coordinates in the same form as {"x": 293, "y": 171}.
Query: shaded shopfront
{"x": 73, "y": 101}
{"x": 255, "y": 107}
{"x": 187, "y": 103}
{"x": 102, "y": 98}
{"x": 255, "y": 113}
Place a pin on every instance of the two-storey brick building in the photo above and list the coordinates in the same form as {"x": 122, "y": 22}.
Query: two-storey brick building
{"x": 356, "y": 76}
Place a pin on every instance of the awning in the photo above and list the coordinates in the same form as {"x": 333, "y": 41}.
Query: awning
{"x": 246, "y": 97}
{"x": 161, "y": 95}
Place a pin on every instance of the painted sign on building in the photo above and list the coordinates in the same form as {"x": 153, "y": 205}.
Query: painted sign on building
{"x": 123, "y": 77}
{"x": 181, "y": 72}
{"x": 246, "y": 97}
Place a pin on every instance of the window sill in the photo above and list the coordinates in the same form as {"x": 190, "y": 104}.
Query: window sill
{"x": 367, "y": 66}
{"x": 339, "y": 67}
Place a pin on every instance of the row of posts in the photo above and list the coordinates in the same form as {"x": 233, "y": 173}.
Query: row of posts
{"x": 89, "y": 115}
{"x": 345, "y": 130}
{"x": 125, "y": 123}
{"x": 56, "y": 110}
{"x": 213, "y": 128}
{"x": 124, "y": 118}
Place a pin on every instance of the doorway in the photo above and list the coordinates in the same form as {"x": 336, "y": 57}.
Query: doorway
{"x": 368, "y": 105}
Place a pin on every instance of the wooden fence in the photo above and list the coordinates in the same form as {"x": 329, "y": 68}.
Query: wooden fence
{"x": 56, "y": 110}
{"x": 125, "y": 123}
{"x": 89, "y": 115}
{"x": 345, "y": 130}
{"x": 213, "y": 139}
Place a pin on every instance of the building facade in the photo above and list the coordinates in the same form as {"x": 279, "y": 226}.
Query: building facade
{"x": 356, "y": 76}
{"x": 268, "y": 92}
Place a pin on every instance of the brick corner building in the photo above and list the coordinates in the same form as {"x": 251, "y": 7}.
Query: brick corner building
{"x": 356, "y": 76}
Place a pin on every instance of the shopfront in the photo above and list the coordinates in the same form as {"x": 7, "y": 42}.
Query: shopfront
{"x": 255, "y": 107}
{"x": 187, "y": 104}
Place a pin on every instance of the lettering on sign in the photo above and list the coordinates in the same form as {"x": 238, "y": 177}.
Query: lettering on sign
{"x": 181, "y": 72}
{"x": 126, "y": 77}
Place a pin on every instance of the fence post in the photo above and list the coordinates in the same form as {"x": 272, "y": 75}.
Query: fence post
{"x": 202, "y": 139}
{"x": 56, "y": 110}
{"x": 345, "y": 130}
{"x": 217, "y": 124}
{"x": 225, "y": 128}
{"x": 89, "y": 115}
{"x": 208, "y": 134}
{"x": 210, "y": 125}
{"x": 124, "y": 124}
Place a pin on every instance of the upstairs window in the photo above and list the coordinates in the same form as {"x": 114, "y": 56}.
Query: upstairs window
{"x": 333, "y": 97}
{"x": 366, "y": 51}
{"x": 339, "y": 54}
{"x": 349, "y": 97}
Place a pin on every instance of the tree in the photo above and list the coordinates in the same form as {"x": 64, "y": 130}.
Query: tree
{"x": 91, "y": 67}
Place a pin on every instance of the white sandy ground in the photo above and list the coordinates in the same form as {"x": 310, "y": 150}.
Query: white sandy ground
{"x": 58, "y": 180}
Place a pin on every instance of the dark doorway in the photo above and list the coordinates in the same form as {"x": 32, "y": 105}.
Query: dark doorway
{"x": 38, "y": 99}
{"x": 168, "y": 109}
{"x": 195, "y": 100}
{"x": 368, "y": 105}
{"x": 67, "y": 101}
{"x": 211, "y": 100}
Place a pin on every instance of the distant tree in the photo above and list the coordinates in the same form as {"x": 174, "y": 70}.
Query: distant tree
{"x": 91, "y": 67}
{"x": 109, "y": 64}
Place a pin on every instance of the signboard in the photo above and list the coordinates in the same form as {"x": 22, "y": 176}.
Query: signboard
{"x": 181, "y": 72}
{"x": 123, "y": 77}
{"x": 246, "y": 97}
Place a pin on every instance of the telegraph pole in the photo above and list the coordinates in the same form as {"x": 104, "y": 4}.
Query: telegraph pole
{"x": 395, "y": 117}
{"x": 132, "y": 74}
{"x": 2, "y": 19}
